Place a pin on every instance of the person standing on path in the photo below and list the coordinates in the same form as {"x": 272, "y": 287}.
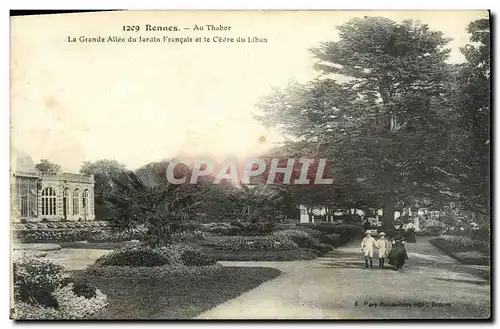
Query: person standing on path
{"x": 398, "y": 255}
{"x": 367, "y": 245}
{"x": 384, "y": 246}
{"x": 367, "y": 226}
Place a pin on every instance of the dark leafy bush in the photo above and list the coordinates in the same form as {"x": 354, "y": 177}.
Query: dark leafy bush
{"x": 85, "y": 289}
{"x": 254, "y": 228}
{"x": 322, "y": 247}
{"x": 43, "y": 291}
{"x": 342, "y": 229}
{"x": 187, "y": 236}
{"x": 142, "y": 255}
{"x": 134, "y": 256}
{"x": 35, "y": 279}
{"x": 431, "y": 231}
{"x": 221, "y": 228}
{"x": 461, "y": 243}
{"x": 301, "y": 238}
{"x": 194, "y": 257}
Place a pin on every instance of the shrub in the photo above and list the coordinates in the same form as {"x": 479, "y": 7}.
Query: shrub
{"x": 254, "y": 228}
{"x": 257, "y": 243}
{"x": 141, "y": 255}
{"x": 73, "y": 306}
{"x": 194, "y": 257}
{"x": 35, "y": 279}
{"x": 221, "y": 228}
{"x": 342, "y": 229}
{"x": 314, "y": 233}
{"x": 431, "y": 231}
{"x": 322, "y": 247}
{"x": 42, "y": 291}
{"x": 185, "y": 236}
{"x": 138, "y": 255}
{"x": 301, "y": 238}
{"x": 84, "y": 289}
{"x": 456, "y": 242}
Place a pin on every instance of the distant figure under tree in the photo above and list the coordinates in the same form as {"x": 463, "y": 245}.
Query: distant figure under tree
{"x": 367, "y": 226}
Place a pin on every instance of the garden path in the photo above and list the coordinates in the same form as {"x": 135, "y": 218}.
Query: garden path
{"x": 337, "y": 286}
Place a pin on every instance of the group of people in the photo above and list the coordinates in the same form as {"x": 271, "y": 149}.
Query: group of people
{"x": 394, "y": 251}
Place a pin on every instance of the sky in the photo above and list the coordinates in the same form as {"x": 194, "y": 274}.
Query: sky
{"x": 141, "y": 102}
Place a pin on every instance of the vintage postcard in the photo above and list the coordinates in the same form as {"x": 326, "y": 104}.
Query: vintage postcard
{"x": 250, "y": 165}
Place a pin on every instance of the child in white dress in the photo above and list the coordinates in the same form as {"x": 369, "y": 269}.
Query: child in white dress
{"x": 384, "y": 247}
{"x": 367, "y": 245}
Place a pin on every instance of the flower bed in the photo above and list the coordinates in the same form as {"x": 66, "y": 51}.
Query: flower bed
{"x": 463, "y": 248}
{"x": 221, "y": 228}
{"x": 257, "y": 243}
{"x": 301, "y": 238}
{"x": 187, "y": 236}
{"x": 347, "y": 230}
{"x": 464, "y": 243}
{"x": 140, "y": 255}
{"x": 76, "y": 234}
{"x": 42, "y": 290}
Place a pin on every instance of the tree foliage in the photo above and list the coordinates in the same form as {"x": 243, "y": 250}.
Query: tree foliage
{"x": 384, "y": 128}
{"x": 104, "y": 172}
{"x": 472, "y": 133}
{"x": 45, "y": 166}
{"x": 145, "y": 198}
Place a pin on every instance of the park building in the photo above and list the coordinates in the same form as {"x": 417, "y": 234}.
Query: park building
{"x": 48, "y": 196}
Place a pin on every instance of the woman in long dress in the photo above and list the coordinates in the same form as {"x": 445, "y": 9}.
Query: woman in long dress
{"x": 398, "y": 255}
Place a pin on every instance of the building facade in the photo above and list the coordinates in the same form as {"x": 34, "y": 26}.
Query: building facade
{"x": 49, "y": 196}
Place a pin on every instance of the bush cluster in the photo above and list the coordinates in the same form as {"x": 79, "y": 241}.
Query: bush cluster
{"x": 301, "y": 238}
{"x": 254, "y": 228}
{"x": 42, "y": 290}
{"x": 140, "y": 255}
{"x": 257, "y": 243}
{"x": 347, "y": 230}
{"x": 238, "y": 228}
{"x": 221, "y": 228}
{"x": 188, "y": 236}
{"x": 459, "y": 243}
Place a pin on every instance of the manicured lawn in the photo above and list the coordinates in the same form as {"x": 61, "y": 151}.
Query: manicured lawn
{"x": 175, "y": 298}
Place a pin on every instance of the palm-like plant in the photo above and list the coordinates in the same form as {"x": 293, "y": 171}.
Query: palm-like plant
{"x": 145, "y": 197}
{"x": 256, "y": 203}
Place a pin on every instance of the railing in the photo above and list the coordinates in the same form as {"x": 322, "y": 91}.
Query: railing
{"x": 53, "y": 174}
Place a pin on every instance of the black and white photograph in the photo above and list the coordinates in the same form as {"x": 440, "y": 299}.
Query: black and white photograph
{"x": 250, "y": 165}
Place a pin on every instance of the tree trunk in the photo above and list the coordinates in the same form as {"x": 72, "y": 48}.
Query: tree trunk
{"x": 388, "y": 212}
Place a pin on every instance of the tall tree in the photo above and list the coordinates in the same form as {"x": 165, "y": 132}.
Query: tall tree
{"x": 383, "y": 128}
{"x": 473, "y": 103}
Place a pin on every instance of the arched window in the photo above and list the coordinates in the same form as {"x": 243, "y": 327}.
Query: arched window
{"x": 85, "y": 202}
{"x": 48, "y": 202}
{"x": 76, "y": 202}
{"x": 66, "y": 197}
